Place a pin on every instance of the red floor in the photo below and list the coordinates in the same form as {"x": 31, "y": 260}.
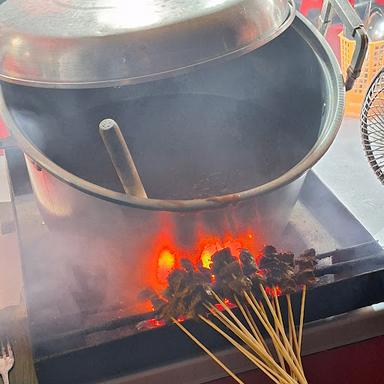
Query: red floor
{"x": 361, "y": 363}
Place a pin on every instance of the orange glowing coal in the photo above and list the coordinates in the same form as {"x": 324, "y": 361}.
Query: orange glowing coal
{"x": 276, "y": 291}
{"x": 212, "y": 245}
{"x": 206, "y": 246}
{"x": 165, "y": 264}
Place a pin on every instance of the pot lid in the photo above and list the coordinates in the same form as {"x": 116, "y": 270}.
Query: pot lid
{"x": 94, "y": 43}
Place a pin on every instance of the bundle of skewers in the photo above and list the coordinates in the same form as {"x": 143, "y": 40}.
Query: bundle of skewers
{"x": 242, "y": 301}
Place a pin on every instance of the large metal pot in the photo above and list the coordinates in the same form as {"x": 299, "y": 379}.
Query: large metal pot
{"x": 222, "y": 151}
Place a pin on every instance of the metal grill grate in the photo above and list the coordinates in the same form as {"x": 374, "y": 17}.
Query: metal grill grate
{"x": 372, "y": 125}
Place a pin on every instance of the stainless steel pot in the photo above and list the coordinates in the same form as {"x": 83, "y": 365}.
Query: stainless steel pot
{"x": 96, "y": 43}
{"x": 280, "y": 107}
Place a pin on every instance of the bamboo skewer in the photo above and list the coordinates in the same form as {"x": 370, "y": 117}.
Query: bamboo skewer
{"x": 243, "y": 350}
{"x": 255, "y": 317}
{"x": 229, "y": 311}
{"x": 280, "y": 317}
{"x": 249, "y": 319}
{"x": 281, "y": 329}
{"x": 246, "y": 338}
{"x": 248, "y": 354}
{"x": 279, "y": 355}
{"x": 287, "y": 342}
{"x": 292, "y": 328}
{"x": 275, "y": 338}
{"x": 291, "y": 341}
{"x": 208, "y": 352}
{"x": 267, "y": 357}
{"x": 244, "y": 331}
{"x": 121, "y": 158}
{"x": 287, "y": 347}
{"x": 301, "y": 323}
{"x": 258, "y": 332}
{"x": 259, "y": 335}
{"x": 251, "y": 325}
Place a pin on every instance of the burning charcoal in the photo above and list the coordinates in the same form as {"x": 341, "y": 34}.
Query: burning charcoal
{"x": 306, "y": 264}
{"x": 157, "y": 302}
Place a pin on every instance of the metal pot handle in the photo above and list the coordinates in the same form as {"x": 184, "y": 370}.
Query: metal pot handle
{"x": 354, "y": 27}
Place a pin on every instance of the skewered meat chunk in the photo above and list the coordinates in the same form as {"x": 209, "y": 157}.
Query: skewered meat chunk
{"x": 278, "y": 269}
{"x": 190, "y": 288}
{"x": 305, "y": 265}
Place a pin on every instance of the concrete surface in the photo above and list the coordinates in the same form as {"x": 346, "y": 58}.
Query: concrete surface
{"x": 346, "y": 171}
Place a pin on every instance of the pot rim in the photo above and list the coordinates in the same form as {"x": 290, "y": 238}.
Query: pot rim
{"x": 333, "y": 118}
{"x": 133, "y": 49}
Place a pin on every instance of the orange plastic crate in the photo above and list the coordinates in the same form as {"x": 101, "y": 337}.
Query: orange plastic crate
{"x": 374, "y": 61}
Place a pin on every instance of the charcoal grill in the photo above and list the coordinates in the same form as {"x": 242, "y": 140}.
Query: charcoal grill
{"x": 222, "y": 133}
{"x": 73, "y": 337}
{"x": 222, "y": 148}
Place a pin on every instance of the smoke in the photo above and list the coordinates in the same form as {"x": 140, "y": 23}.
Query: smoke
{"x": 217, "y": 130}
{"x": 220, "y": 129}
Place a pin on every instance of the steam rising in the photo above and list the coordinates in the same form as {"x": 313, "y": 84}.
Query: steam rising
{"x": 213, "y": 131}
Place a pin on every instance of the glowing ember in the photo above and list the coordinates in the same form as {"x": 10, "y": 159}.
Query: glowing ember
{"x": 212, "y": 245}
{"x": 166, "y": 263}
{"x": 155, "y": 322}
{"x": 207, "y": 253}
{"x": 272, "y": 292}
{"x": 206, "y": 258}
{"x": 206, "y": 247}
{"x": 228, "y": 303}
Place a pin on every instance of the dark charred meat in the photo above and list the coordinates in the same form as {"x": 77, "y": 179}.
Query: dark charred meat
{"x": 229, "y": 277}
{"x": 305, "y": 267}
{"x": 248, "y": 263}
{"x": 187, "y": 266}
{"x": 190, "y": 288}
{"x": 252, "y": 271}
{"x": 205, "y": 274}
{"x": 186, "y": 293}
{"x": 279, "y": 269}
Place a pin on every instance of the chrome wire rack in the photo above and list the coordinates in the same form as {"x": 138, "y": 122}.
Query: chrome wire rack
{"x": 372, "y": 125}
